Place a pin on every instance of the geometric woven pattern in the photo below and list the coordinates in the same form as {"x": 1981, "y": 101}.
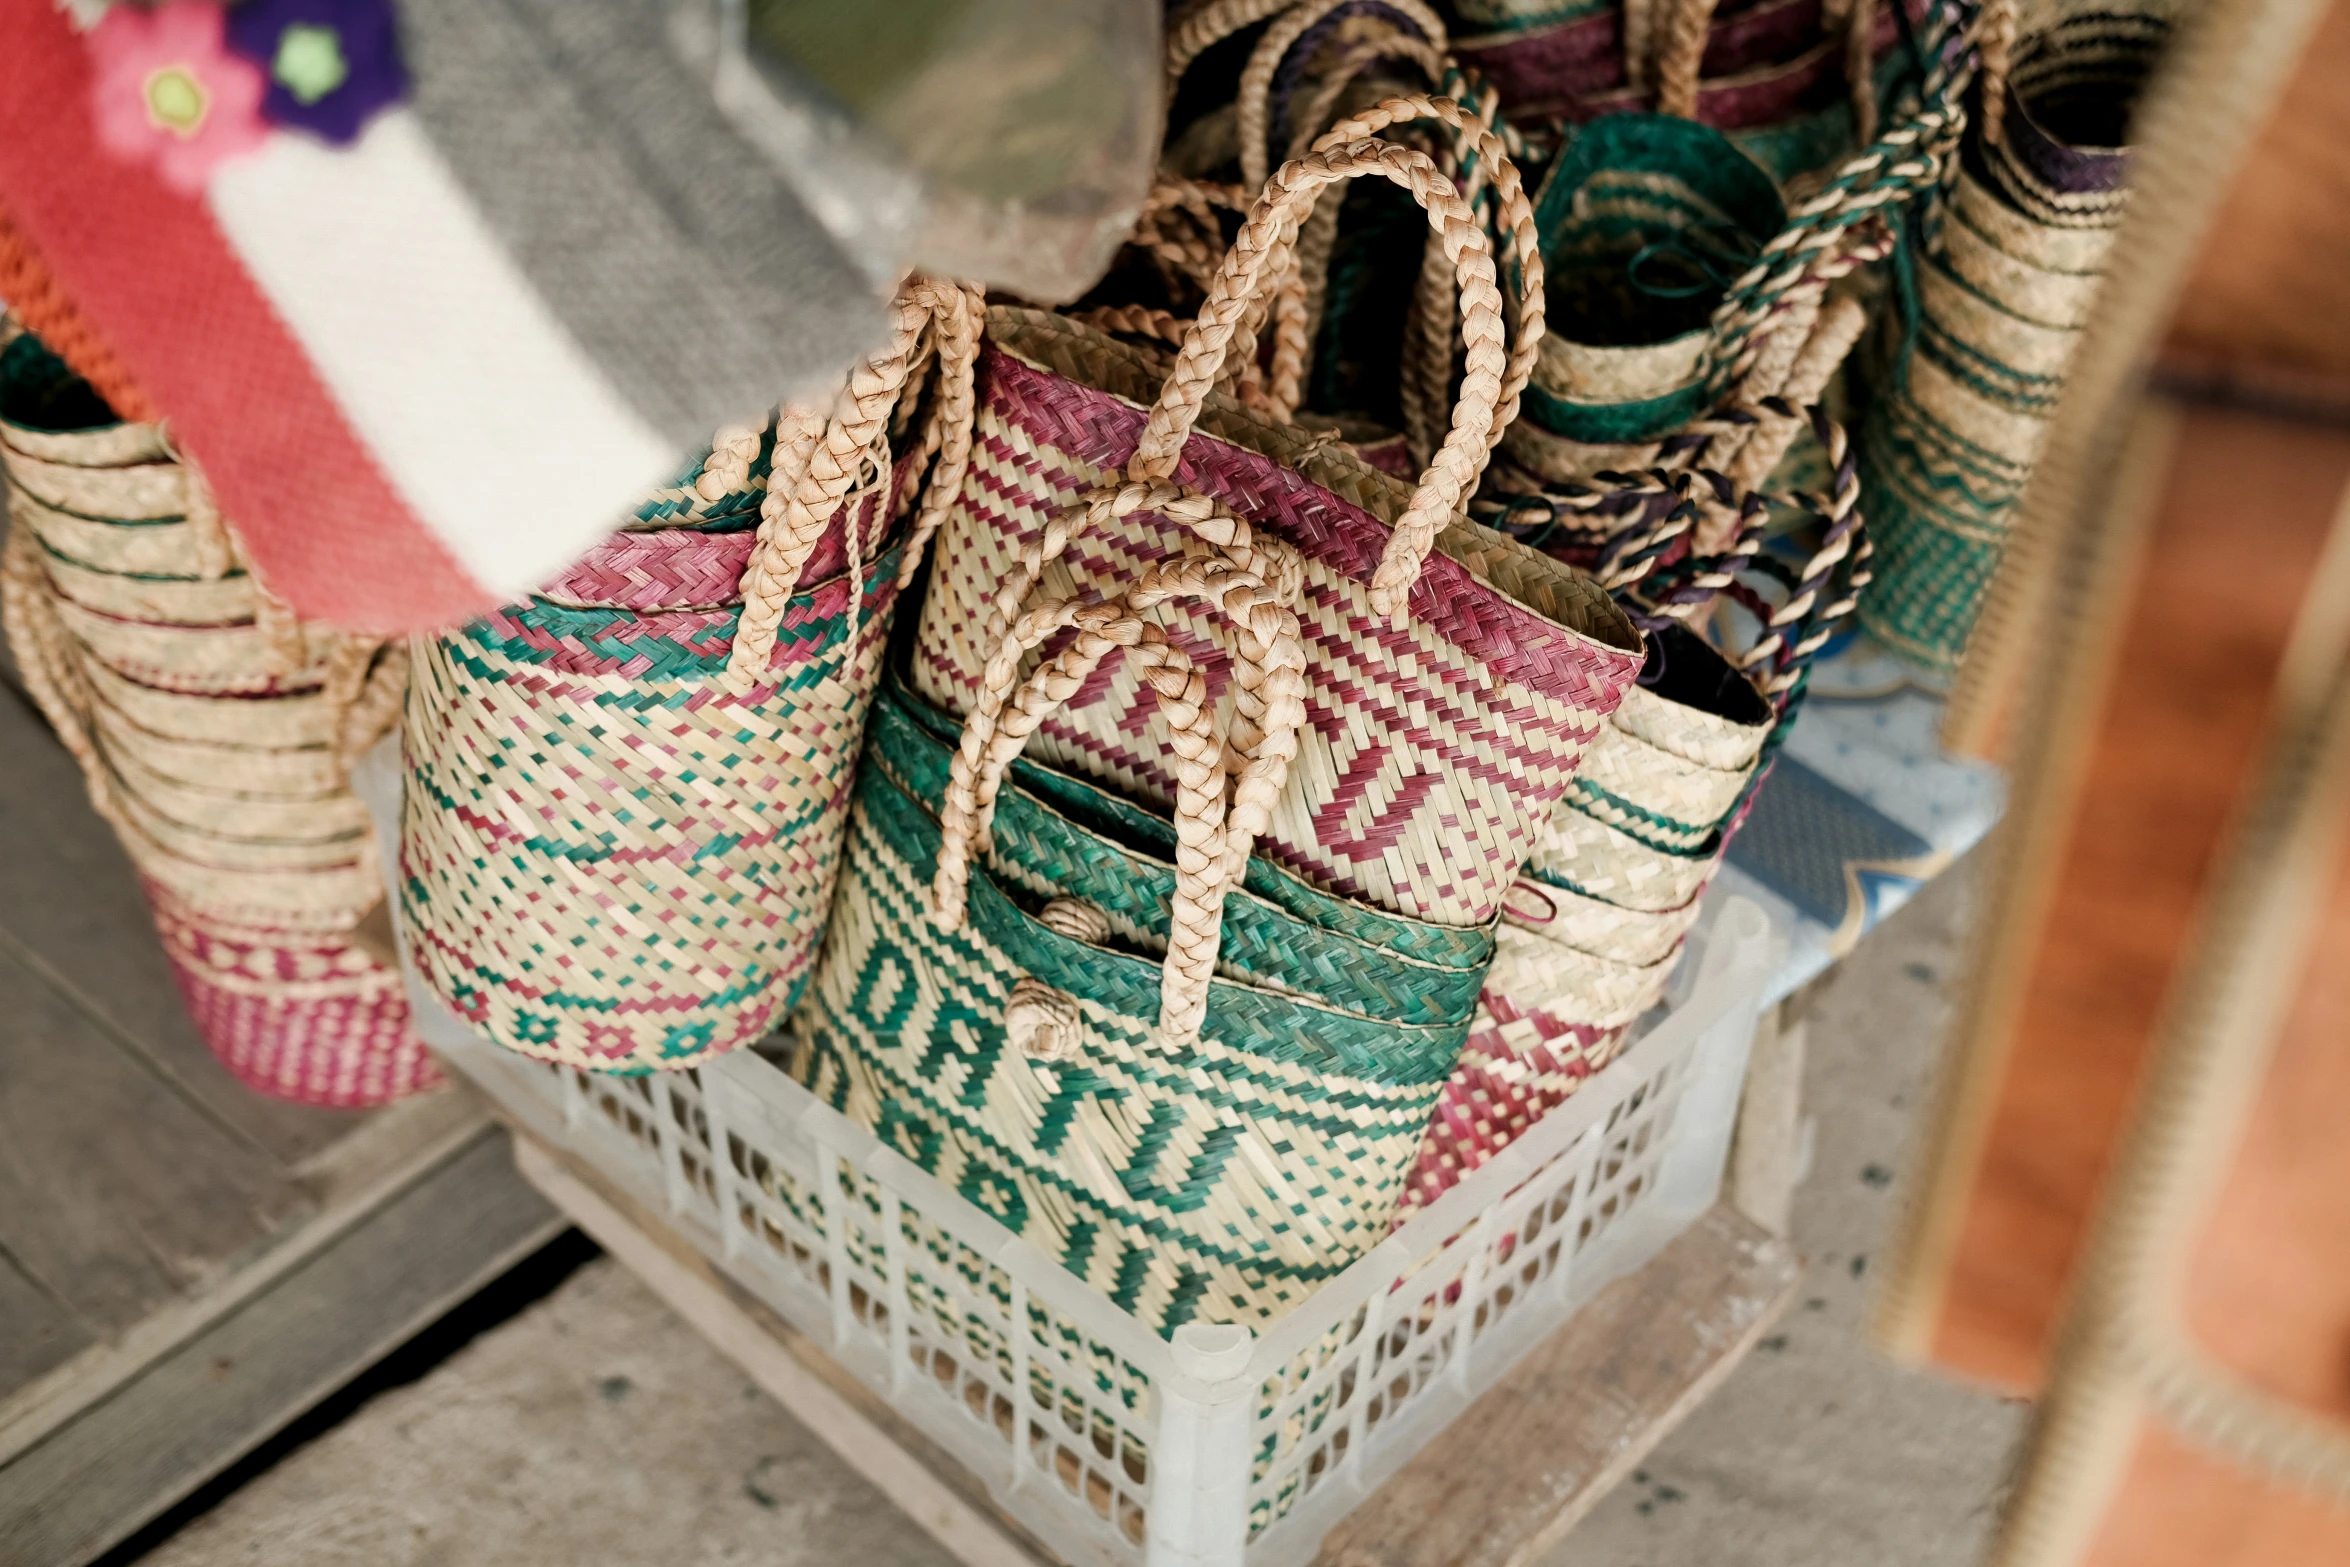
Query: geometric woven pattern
{"x": 1218, "y": 1181}
{"x": 1591, "y": 936}
{"x": 606, "y": 858}
{"x": 308, "y": 1017}
{"x": 1432, "y": 753}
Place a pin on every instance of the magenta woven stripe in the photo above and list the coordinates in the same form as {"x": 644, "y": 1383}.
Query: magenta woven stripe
{"x": 685, "y": 568}
{"x": 1500, "y": 1087}
{"x": 1100, "y": 428}
{"x": 301, "y": 1015}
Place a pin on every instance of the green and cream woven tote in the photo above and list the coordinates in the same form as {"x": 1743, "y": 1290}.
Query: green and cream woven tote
{"x": 1194, "y": 1098}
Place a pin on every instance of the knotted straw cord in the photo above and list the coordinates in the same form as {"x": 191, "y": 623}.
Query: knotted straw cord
{"x": 1249, "y": 269}
{"x": 1680, "y": 55}
{"x": 732, "y": 451}
{"x": 1522, "y": 242}
{"x": 1797, "y": 629}
{"x": 959, "y": 315}
{"x": 1255, "y": 96}
{"x": 792, "y": 518}
{"x": 1838, "y": 328}
{"x": 1912, "y": 156}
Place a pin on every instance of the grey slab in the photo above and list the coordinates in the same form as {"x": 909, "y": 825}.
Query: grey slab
{"x": 116, "y": 1195}
{"x": 196, "y": 1409}
{"x": 38, "y": 1332}
{"x": 1819, "y": 1451}
{"x": 70, "y": 910}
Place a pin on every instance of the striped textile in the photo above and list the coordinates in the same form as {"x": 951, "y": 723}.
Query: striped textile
{"x": 2004, "y": 288}
{"x": 1433, "y": 753}
{"x": 476, "y": 333}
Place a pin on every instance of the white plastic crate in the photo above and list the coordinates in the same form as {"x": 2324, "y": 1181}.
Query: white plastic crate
{"x": 1110, "y": 1445}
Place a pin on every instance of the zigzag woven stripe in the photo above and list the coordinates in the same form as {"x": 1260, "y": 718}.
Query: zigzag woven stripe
{"x": 1426, "y": 767}
{"x": 606, "y": 859}
{"x": 1218, "y": 1182}
{"x": 697, "y": 568}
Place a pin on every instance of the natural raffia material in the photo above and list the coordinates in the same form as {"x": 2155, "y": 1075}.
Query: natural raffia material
{"x": 220, "y": 754}
{"x": 1459, "y": 727}
{"x": 644, "y": 883}
{"x": 1217, "y": 1172}
{"x": 2004, "y": 289}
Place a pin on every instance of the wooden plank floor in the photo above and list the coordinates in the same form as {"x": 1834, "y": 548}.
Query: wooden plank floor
{"x": 185, "y": 1265}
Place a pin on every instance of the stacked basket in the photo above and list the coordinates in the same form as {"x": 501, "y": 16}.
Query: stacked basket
{"x": 215, "y": 734}
{"x": 2004, "y": 289}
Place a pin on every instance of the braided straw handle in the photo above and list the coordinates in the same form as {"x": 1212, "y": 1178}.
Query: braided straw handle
{"x": 1255, "y": 264}
{"x": 818, "y": 459}
{"x": 1213, "y": 840}
{"x": 1521, "y": 243}
{"x": 1680, "y": 56}
{"x": 1255, "y": 97}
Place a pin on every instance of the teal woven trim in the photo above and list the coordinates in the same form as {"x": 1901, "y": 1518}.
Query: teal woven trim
{"x": 907, "y": 1110}
{"x": 54, "y": 553}
{"x": 1665, "y": 834}
{"x": 1701, "y": 160}
{"x": 1252, "y": 1021}
{"x": 1614, "y": 424}
{"x": 1054, "y": 857}
{"x": 1929, "y": 583}
{"x": 1111, "y": 816}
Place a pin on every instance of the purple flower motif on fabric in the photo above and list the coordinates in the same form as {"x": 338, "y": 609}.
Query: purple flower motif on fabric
{"x": 332, "y": 65}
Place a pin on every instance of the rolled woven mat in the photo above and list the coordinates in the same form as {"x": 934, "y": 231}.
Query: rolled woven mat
{"x": 215, "y": 735}
{"x": 2004, "y": 288}
{"x": 627, "y": 794}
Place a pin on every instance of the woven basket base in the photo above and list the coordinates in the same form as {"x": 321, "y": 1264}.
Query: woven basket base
{"x": 298, "y": 1015}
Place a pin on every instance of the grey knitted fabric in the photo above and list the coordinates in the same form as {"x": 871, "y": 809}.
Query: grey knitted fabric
{"x": 680, "y": 260}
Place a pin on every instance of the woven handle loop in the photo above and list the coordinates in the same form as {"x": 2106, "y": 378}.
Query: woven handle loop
{"x": 1254, "y": 100}
{"x": 1795, "y": 631}
{"x": 1487, "y": 155}
{"x": 1253, "y": 265}
{"x": 1679, "y": 57}
{"x": 1213, "y": 839}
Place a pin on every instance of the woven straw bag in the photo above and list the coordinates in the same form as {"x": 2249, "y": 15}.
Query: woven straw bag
{"x": 1592, "y": 931}
{"x": 626, "y": 794}
{"x": 1460, "y": 674}
{"x": 2004, "y": 288}
{"x": 1148, "y": 1108}
{"x": 215, "y": 735}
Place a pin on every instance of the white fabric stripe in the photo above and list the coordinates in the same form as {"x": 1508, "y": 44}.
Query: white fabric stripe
{"x": 488, "y": 418}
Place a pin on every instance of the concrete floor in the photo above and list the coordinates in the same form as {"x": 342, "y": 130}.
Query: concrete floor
{"x": 596, "y": 1429}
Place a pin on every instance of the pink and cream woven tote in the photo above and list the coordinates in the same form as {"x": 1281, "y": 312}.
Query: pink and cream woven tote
{"x": 1456, "y": 675}
{"x": 214, "y": 733}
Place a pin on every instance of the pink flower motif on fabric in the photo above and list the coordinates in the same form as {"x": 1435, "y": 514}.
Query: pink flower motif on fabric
{"x": 165, "y": 90}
